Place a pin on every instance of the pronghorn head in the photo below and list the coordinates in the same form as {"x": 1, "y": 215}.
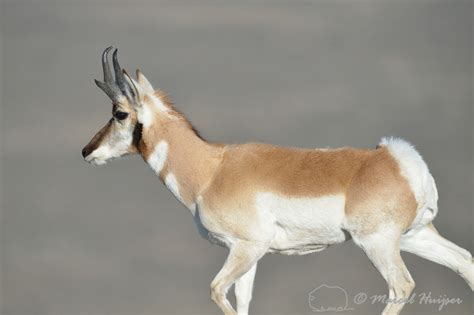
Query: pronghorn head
{"x": 131, "y": 109}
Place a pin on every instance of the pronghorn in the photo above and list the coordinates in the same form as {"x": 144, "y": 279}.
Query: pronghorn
{"x": 258, "y": 198}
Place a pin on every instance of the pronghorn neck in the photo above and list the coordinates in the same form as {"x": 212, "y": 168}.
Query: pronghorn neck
{"x": 183, "y": 161}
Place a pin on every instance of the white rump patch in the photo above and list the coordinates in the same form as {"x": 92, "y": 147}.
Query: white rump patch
{"x": 158, "y": 158}
{"x": 416, "y": 172}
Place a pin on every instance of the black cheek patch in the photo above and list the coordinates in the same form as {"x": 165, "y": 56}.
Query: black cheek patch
{"x": 137, "y": 134}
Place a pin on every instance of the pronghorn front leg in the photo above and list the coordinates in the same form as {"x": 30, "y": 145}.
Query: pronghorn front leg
{"x": 243, "y": 290}
{"x": 243, "y": 256}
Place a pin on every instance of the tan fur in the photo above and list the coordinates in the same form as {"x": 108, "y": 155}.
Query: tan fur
{"x": 224, "y": 181}
{"x": 194, "y": 163}
{"x": 228, "y": 177}
{"x": 370, "y": 179}
{"x": 378, "y": 191}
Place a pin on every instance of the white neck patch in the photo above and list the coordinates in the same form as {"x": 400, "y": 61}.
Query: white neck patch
{"x": 158, "y": 104}
{"x": 146, "y": 114}
{"x": 173, "y": 186}
{"x": 158, "y": 158}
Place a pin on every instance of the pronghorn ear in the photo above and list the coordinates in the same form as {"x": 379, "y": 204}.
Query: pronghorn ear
{"x": 137, "y": 90}
{"x": 145, "y": 85}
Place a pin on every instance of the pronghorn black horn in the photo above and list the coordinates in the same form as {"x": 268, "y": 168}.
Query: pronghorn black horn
{"x": 105, "y": 66}
{"x": 122, "y": 83}
{"x": 115, "y": 88}
{"x": 106, "y": 88}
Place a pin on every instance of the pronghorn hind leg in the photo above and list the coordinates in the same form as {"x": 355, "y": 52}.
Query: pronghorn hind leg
{"x": 383, "y": 250}
{"x": 429, "y": 244}
{"x": 243, "y": 256}
{"x": 243, "y": 290}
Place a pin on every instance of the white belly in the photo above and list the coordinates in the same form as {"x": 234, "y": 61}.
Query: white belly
{"x": 303, "y": 225}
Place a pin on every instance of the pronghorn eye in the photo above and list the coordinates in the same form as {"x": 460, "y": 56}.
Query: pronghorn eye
{"x": 120, "y": 115}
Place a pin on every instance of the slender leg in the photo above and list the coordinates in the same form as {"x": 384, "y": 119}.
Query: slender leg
{"x": 243, "y": 290}
{"x": 427, "y": 243}
{"x": 382, "y": 248}
{"x": 242, "y": 257}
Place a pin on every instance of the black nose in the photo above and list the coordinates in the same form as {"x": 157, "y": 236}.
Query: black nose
{"x": 86, "y": 151}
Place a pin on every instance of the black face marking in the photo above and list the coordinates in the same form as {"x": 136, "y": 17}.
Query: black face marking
{"x": 137, "y": 134}
{"x": 96, "y": 140}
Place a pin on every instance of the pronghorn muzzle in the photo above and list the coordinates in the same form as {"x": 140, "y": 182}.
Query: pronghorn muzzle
{"x": 96, "y": 140}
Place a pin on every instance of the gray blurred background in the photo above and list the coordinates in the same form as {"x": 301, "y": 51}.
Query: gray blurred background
{"x": 82, "y": 240}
